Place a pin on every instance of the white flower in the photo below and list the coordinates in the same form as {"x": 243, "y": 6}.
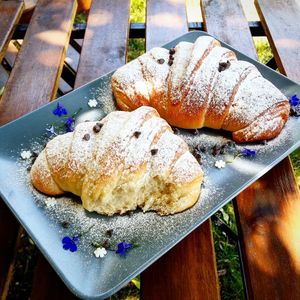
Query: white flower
{"x": 100, "y": 252}
{"x": 92, "y": 103}
{"x": 220, "y": 164}
{"x": 26, "y": 154}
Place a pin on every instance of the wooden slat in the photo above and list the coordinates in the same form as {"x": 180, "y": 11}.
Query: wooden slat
{"x": 226, "y": 20}
{"x": 103, "y": 49}
{"x": 40, "y": 59}
{"x": 10, "y": 13}
{"x": 47, "y": 285}
{"x": 31, "y": 84}
{"x": 280, "y": 20}
{"x": 269, "y": 213}
{"x": 105, "y": 40}
{"x": 264, "y": 208}
{"x": 188, "y": 271}
{"x": 166, "y": 20}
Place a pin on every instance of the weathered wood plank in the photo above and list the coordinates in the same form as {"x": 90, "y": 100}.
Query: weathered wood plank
{"x": 105, "y": 40}
{"x": 166, "y": 20}
{"x": 193, "y": 258}
{"x": 45, "y": 43}
{"x": 280, "y": 20}
{"x": 264, "y": 208}
{"x": 10, "y": 12}
{"x": 103, "y": 49}
{"x": 226, "y": 20}
{"x": 187, "y": 271}
{"x": 269, "y": 216}
{"x": 47, "y": 285}
{"x": 39, "y": 60}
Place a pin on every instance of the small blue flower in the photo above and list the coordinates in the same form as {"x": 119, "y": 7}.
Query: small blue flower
{"x": 59, "y": 110}
{"x": 69, "y": 124}
{"x": 294, "y": 100}
{"x": 51, "y": 130}
{"x": 123, "y": 247}
{"x": 70, "y": 243}
{"x": 248, "y": 152}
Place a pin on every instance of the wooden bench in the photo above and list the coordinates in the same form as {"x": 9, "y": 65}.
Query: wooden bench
{"x": 266, "y": 211}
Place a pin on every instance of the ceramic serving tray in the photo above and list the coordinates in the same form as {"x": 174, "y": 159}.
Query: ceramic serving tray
{"x": 48, "y": 219}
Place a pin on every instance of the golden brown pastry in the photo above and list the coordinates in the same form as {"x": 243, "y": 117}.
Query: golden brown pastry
{"x": 202, "y": 84}
{"x": 127, "y": 160}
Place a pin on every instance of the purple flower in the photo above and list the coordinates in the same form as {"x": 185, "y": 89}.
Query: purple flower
{"x": 248, "y": 152}
{"x": 59, "y": 110}
{"x": 123, "y": 247}
{"x": 51, "y": 130}
{"x": 69, "y": 124}
{"x": 70, "y": 243}
{"x": 294, "y": 100}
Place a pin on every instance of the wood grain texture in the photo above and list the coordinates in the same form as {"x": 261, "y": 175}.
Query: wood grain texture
{"x": 187, "y": 271}
{"x": 35, "y": 76}
{"x": 166, "y": 20}
{"x": 269, "y": 213}
{"x": 226, "y": 20}
{"x": 267, "y": 208}
{"x": 7, "y": 242}
{"x": 105, "y": 40}
{"x": 47, "y": 285}
{"x": 10, "y": 13}
{"x": 280, "y": 20}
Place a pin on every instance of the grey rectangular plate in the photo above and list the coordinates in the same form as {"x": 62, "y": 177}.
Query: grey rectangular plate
{"x": 85, "y": 275}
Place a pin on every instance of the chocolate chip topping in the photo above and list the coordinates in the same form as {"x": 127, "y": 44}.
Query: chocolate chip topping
{"x": 86, "y": 137}
{"x": 106, "y": 244}
{"x": 65, "y": 224}
{"x": 223, "y": 65}
{"x": 154, "y": 151}
{"x": 109, "y": 232}
{"x": 97, "y": 127}
{"x": 171, "y": 57}
{"x": 172, "y": 51}
{"x": 160, "y": 61}
{"x": 137, "y": 134}
{"x": 170, "y": 63}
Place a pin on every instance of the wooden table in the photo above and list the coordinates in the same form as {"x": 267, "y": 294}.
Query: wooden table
{"x": 266, "y": 211}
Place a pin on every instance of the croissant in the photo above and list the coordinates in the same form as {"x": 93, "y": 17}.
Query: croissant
{"x": 202, "y": 84}
{"x": 128, "y": 160}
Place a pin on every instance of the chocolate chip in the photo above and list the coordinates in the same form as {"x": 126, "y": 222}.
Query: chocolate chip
{"x": 176, "y": 130}
{"x": 223, "y": 65}
{"x": 86, "y": 137}
{"x": 215, "y": 150}
{"x": 97, "y": 127}
{"x": 154, "y": 151}
{"x": 161, "y": 61}
{"x": 172, "y": 51}
{"x": 35, "y": 154}
{"x": 106, "y": 244}
{"x": 197, "y": 154}
{"x": 171, "y": 57}
{"x": 170, "y": 63}
{"x": 137, "y": 134}
{"x": 109, "y": 232}
{"x": 65, "y": 224}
